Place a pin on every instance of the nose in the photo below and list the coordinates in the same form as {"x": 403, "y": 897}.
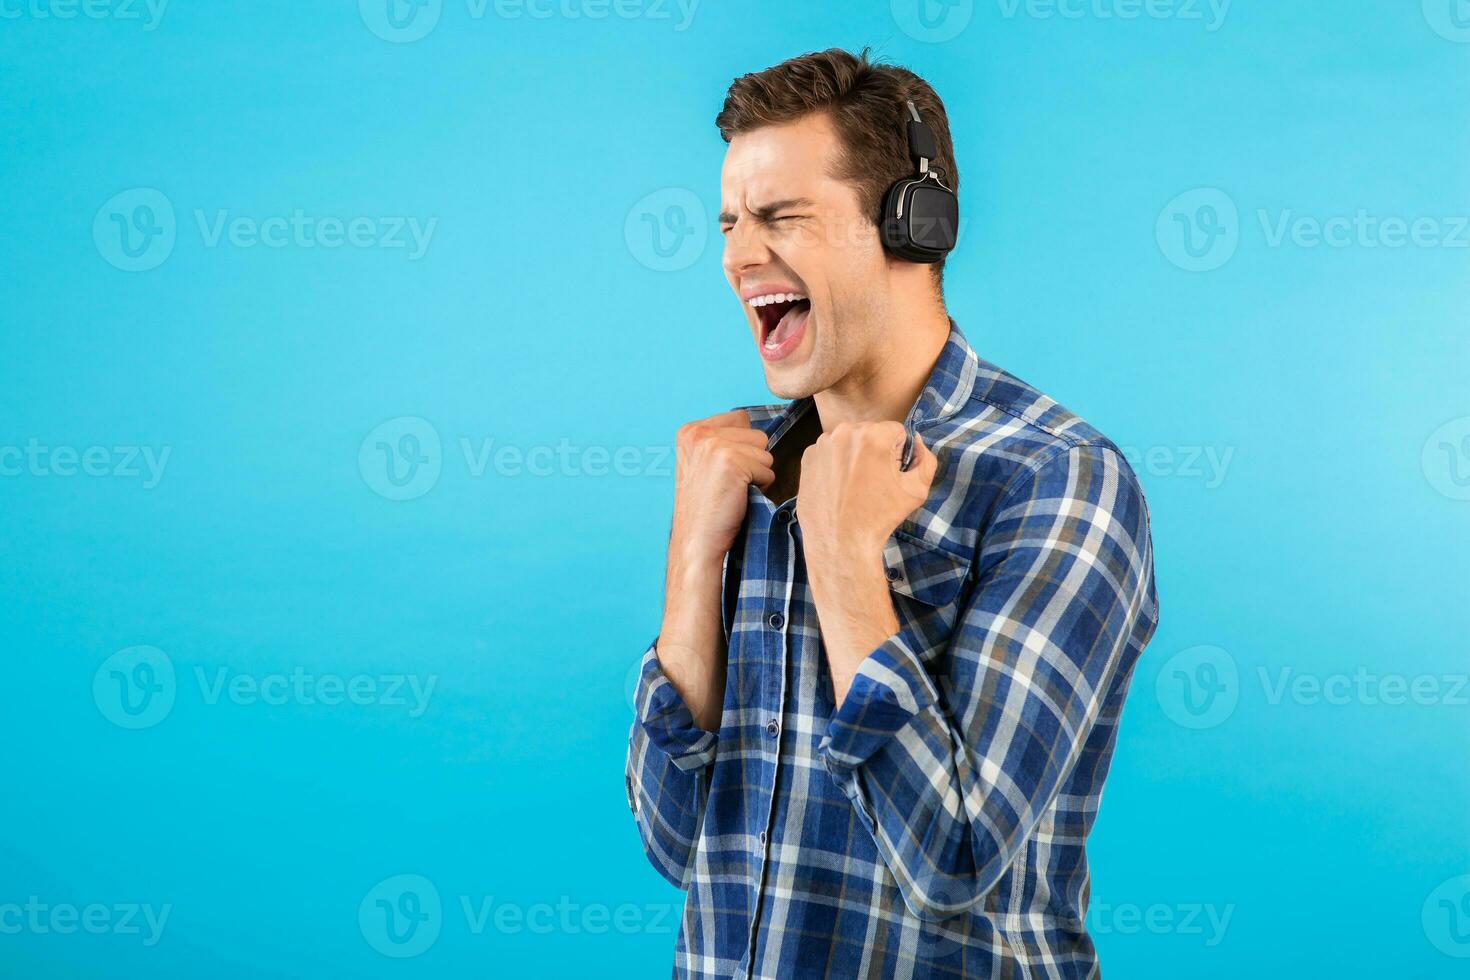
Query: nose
{"x": 745, "y": 250}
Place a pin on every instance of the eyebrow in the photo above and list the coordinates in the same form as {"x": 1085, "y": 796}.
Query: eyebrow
{"x": 765, "y": 211}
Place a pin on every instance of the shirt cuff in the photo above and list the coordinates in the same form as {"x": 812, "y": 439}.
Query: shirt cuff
{"x": 891, "y": 687}
{"x": 666, "y": 719}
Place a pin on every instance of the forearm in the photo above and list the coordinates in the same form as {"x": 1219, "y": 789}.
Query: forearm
{"x": 691, "y": 642}
{"x": 854, "y": 608}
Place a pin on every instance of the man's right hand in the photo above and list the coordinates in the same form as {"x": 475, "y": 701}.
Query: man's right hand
{"x": 719, "y": 458}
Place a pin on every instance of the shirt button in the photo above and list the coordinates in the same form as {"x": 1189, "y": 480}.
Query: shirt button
{"x": 894, "y": 575}
{"x": 772, "y": 727}
{"x": 783, "y": 516}
{"x": 776, "y": 620}
{"x": 763, "y": 837}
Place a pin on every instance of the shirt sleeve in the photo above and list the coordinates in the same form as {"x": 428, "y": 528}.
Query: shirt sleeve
{"x": 667, "y": 772}
{"x": 951, "y": 773}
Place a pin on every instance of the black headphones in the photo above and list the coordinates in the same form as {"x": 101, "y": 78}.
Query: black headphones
{"x": 921, "y": 215}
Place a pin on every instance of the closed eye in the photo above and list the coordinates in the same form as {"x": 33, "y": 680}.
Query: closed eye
{"x": 727, "y": 226}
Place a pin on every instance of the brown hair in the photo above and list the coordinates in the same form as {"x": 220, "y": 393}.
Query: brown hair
{"x": 865, "y": 100}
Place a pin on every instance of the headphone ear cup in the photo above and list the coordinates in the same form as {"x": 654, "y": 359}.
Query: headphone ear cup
{"x": 893, "y": 230}
{"x": 931, "y": 220}
{"x": 929, "y": 224}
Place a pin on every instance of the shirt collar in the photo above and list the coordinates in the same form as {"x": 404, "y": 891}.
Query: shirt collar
{"x": 951, "y": 382}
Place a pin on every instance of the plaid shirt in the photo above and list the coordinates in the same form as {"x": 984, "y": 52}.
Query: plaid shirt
{"x": 934, "y": 824}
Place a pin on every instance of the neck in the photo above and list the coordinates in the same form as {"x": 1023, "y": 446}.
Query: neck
{"x": 886, "y": 386}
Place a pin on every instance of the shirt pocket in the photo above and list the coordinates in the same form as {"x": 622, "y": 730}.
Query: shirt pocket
{"x": 928, "y": 584}
{"x": 927, "y": 573}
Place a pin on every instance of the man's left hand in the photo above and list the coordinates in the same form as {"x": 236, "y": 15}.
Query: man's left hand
{"x": 851, "y": 498}
{"x": 853, "y": 493}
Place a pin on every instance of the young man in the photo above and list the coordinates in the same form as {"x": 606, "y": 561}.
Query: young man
{"x": 872, "y": 733}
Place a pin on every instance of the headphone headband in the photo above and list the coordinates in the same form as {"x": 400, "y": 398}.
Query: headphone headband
{"x": 921, "y": 139}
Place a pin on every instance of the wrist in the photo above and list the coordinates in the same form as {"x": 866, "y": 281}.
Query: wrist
{"x": 855, "y": 612}
{"x": 851, "y": 572}
{"x": 691, "y": 594}
{"x": 847, "y": 549}
{"x": 691, "y": 553}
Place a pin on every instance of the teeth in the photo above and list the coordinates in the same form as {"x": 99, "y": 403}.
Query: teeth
{"x": 770, "y": 298}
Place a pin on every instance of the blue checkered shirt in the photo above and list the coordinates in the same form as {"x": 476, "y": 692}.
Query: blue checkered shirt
{"x": 934, "y": 824}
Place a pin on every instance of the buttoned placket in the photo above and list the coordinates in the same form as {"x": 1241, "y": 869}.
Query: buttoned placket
{"x": 780, "y": 555}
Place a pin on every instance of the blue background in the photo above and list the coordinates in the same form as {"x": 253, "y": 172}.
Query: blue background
{"x": 544, "y": 313}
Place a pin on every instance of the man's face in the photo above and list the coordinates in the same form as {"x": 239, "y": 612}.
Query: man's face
{"x": 790, "y": 228}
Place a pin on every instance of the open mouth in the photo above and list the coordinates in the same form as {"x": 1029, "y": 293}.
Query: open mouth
{"x": 782, "y": 318}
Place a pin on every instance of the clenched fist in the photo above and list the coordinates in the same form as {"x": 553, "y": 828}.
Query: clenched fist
{"x": 853, "y": 493}
{"x": 718, "y": 459}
